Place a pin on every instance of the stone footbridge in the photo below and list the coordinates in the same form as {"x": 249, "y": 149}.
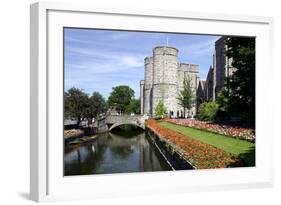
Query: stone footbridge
{"x": 109, "y": 122}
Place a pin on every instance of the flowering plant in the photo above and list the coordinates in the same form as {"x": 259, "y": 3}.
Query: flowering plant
{"x": 199, "y": 154}
{"x": 233, "y": 131}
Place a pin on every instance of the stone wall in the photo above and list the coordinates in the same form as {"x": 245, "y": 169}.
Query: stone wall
{"x": 165, "y": 67}
{"x": 223, "y": 66}
{"x": 220, "y": 64}
{"x": 209, "y": 86}
{"x": 167, "y": 94}
{"x": 164, "y": 77}
{"x": 148, "y": 76}
{"x": 200, "y": 93}
{"x": 142, "y": 97}
{"x": 171, "y": 153}
{"x": 188, "y": 71}
{"x": 116, "y": 120}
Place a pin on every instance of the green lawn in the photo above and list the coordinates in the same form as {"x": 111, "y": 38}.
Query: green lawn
{"x": 241, "y": 148}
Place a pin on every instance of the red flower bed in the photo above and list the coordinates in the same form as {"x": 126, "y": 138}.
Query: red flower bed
{"x": 199, "y": 154}
{"x": 236, "y": 132}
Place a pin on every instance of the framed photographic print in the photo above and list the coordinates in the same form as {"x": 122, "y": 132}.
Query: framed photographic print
{"x": 127, "y": 102}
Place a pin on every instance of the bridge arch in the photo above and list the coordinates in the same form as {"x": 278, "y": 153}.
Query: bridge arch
{"x": 109, "y": 122}
{"x": 125, "y": 123}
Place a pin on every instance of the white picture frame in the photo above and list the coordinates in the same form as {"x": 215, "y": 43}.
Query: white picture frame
{"x": 47, "y": 182}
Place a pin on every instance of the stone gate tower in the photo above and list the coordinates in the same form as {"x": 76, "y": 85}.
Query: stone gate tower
{"x": 165, "y": 67}
{"x": 164, "y": 77}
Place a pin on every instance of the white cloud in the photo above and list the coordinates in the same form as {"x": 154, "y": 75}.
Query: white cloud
{"x": 108, "y": 40}
{"x": 199, "y": 49}
{"x": 131, "y": 61}
{"x": 105, "y": 54}
{"x": 104, "y": 70}
{"x": 119, "y": 35}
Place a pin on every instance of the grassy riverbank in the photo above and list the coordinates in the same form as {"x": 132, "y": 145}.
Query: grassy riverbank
{"x": 241, "y": 148}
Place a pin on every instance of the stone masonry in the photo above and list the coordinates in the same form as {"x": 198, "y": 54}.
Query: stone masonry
{"x": 218, "y": 74}
{"x": 164, "y": 76}
{"x": 223, "y": 68}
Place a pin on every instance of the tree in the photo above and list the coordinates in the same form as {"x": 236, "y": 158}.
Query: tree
{"x": 160, "y": 110}
{"x": 241, "y": 85}
{"x": 186, "y": 96}
{"x": 96, "y": 105}
{"x": 120, "y": 97}
{"x": 76, "y": 103}
{"x": 133, "y": 107}
{"x": 223, "y": 105}
{"x": 207, "y": 111}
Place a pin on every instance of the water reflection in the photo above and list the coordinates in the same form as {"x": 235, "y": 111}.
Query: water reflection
{"x": 117, "y": 152}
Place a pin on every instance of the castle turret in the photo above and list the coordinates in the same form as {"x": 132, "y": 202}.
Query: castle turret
{"x": 191, "y": 72}
{"x": 141, "y": 97}
{"x": 165, "y": 67}
{"x": 148, "y": 75}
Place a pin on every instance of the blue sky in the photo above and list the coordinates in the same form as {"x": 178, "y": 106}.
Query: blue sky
{"x": 97, "y": 60}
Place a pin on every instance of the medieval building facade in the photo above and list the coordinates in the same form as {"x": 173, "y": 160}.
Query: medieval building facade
{"x": 218, "y": 74}
{"x": 222, "y": 69}
{"x": 164, "y": 76}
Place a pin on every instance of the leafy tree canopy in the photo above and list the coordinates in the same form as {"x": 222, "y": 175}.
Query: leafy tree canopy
{"x": 242, "y": 83}
{"x": 78, "y": 104}
{"x": 120, "y": 97}
{"x": 133, "y": 107}
{"x": 186, "y": 97}
{"x": 75, "y": 102}
{"x": 96, "y": 105}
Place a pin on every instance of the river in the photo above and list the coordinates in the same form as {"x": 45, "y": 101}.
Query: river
{"x": 114, "y": 152}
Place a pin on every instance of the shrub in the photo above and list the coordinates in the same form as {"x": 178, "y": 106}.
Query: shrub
{"x": 207, "y": 111}
{"x": 160, "y": 110}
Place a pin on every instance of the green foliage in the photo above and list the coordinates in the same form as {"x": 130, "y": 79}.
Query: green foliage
{"x": 207, "y": 111}
{"x": 120, "y": 97}
{"x": 223, "y": 105}
{"x": 160, "y": 110}
{"x": 96, "y": 105}
{"x": 75, "y": 102}
{"x": 241, "y": 86}
{"x": 186, "y": 97}
{"x": 223, "y": 99}
{"x": 78, "y": 104}
{"x": 133, "y": 107}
